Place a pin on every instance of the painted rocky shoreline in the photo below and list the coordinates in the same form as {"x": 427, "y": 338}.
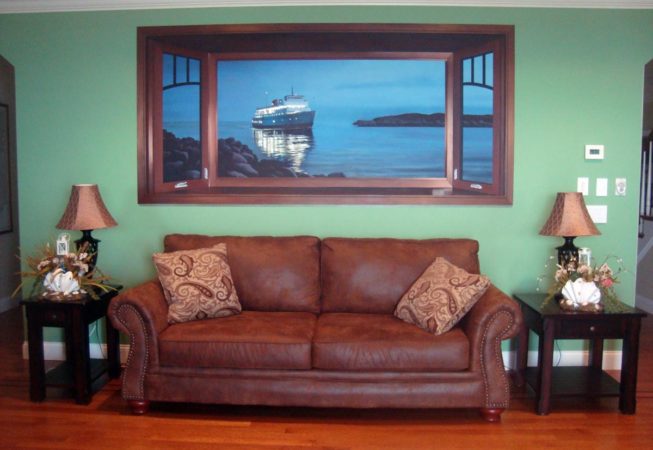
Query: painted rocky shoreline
{"x": 182, "y": 158}
{"x": 424, "y": 120}
{"x": 238, "y": 160}
{"x": 182, "y": 161}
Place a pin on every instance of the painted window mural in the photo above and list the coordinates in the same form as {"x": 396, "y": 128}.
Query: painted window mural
{"x": 182, "y": 155}
{"x": 356, "y": 113}
{"x": 478, "y": 111}
{"x": 336, "y": 118}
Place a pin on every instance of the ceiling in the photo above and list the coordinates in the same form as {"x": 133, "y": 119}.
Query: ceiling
{"x": 26, "y": 6}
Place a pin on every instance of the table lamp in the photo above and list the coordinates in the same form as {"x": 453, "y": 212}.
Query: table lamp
{"x": 86, "y": 212}
{"x": 569, "y": 219}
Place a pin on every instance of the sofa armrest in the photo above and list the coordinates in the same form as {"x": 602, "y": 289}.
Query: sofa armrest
{"x": 140, "y": 312}
{"x": 493, "y": 318}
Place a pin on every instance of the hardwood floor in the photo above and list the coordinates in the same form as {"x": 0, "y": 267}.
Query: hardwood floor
{"x": 58, "y": 423}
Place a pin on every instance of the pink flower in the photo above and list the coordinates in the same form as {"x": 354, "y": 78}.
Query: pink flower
{"x": 607, "y": 282}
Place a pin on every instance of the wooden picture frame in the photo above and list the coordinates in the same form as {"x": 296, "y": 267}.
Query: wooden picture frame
{"x": 206, "y": 177}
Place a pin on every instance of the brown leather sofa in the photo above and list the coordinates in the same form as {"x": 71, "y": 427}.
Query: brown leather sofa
{"x": 317, "y": 329}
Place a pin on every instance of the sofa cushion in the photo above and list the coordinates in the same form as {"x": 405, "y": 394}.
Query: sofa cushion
{"x": 250, "y": 340}
{"x": 270, "y": 273}
{"x": 371, "y": 275}
{"x": 197, "y": 283}
{"x": 441, "y": 296}
{"x": 381, "y": 342}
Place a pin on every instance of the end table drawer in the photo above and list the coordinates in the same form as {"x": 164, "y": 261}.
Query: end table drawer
{"x": 589, "y": 329}
{"x": 54, "y": 317}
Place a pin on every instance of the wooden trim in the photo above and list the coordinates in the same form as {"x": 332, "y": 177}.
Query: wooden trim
{"x": 143, "y": 134}
{"x": 332, "y": 55}
{"x": 211, "y": 138}
{"x": 450, "y": 124}
{"x": 502, "y": 107}
{"x": 156, "y": 52}
{"x": 509, "y": 114}
{"x": 8, "y": 182}
{"x": 327, "y": 182}
{"x": 214, "y": 197}
{"x": 311, "y": 28}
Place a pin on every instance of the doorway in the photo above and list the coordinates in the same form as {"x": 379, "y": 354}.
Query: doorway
{"x": 644, "y": 297}
{"x": 9, "y": 264}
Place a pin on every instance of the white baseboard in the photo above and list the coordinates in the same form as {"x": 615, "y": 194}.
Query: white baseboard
{"x": 56, "y": 351}
{"x": 644, "y": 303}
{"x": 7, "y": 303}
{"x": 611, "y": 358}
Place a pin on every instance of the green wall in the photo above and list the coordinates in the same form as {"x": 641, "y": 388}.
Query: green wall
{"x": 578, "y": 80}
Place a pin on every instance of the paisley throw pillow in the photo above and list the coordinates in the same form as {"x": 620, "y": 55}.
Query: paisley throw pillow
{"x": 441, "y": 296}
{"x": 197, "y": 283}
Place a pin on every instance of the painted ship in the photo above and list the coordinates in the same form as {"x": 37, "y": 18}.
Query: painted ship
{"x": 291, "y": 112}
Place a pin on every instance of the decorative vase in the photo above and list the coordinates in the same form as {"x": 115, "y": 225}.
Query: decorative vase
{"x": 61, "y": 282}
{"x": 581, "y": 295}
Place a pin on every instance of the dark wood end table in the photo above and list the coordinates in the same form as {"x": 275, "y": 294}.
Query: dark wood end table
{"x": 79, "y": 371}
{"x": 550, "y": 322}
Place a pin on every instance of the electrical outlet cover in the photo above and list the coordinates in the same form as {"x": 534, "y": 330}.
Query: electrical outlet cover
{"x": 620, "y": 187}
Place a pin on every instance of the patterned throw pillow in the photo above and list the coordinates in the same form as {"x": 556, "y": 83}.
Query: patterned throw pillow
{"x": 197, "y": 283}
{"x": 441, "y": 296}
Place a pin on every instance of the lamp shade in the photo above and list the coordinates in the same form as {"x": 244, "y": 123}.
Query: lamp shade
{"x": 569, "y": 217}
{"x": 85, "y": 210}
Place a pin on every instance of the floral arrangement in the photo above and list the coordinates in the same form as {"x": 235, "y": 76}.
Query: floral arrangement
{"x": 64, "y": 276}
{"x": 586, "y": 287}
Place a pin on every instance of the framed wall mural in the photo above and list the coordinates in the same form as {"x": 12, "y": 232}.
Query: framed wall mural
{"x": 325, "y": 114}
{"x": 5, "y": 179}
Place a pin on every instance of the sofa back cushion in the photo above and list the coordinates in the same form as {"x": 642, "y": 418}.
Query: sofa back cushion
{"x": 270, "y": 273}
{"x": 371, "y": 275}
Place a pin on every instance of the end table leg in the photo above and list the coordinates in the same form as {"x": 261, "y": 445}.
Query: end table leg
{"x": 596, "y": 353}
{"x": 629, "y": 362}
{"x": 545, "y": 365}
{"x": 82, "y": 359}
{"x": 36, "y": 364}
{"x": 522, "y": 355}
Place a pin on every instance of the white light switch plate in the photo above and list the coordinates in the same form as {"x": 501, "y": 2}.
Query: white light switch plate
{"x": 598, "y": 213}
{"x": 583, "y": 185}
{"x": 601, "y": 187}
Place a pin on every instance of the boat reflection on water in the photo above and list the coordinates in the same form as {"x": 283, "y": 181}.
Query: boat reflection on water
{"x": 291, "y": 145}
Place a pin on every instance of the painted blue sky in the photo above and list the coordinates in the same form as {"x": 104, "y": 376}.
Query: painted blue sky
{"x": 339, "y": 90}
{"x": 338, "y": 86}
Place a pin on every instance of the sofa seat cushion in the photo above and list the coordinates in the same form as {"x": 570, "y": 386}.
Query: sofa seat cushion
{"x": 250, "y": 340}
{"x": 381, "y": 342}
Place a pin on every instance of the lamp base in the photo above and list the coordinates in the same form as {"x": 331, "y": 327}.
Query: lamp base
{"x": 568, "y": 252}
{"x": 91, "y": 245}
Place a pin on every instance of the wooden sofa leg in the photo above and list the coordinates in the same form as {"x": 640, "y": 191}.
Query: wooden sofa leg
{"x": 139, "y": 407}
{"x": 492, "y": 414}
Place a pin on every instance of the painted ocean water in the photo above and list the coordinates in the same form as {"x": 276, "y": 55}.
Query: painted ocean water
{"x": 341, "y": 147}
{"x": 358, "y": 152}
